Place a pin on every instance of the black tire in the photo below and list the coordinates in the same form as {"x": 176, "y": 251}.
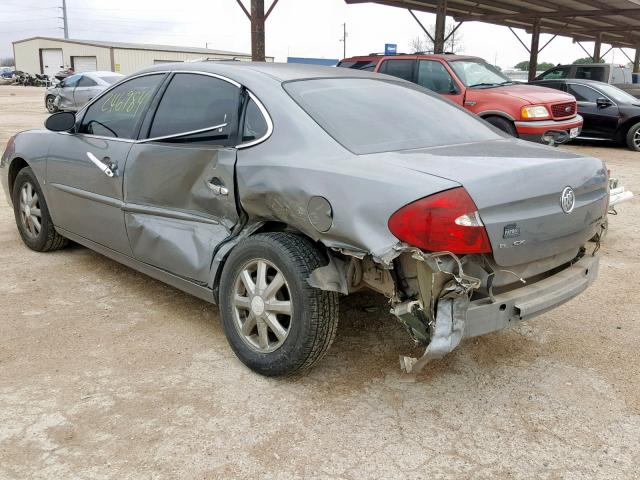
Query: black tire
{"x": 44, "y": 239}
{"x": 314, "y": 320}
{"x": 633, "y": 137}
{"x": 48, "y": 103}
{"x": 503, "y": 124}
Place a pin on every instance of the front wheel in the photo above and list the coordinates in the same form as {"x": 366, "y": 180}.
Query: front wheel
{"x": 633, "y": 137}
{"x": 32, "y": 214}
{"x": 276, "y": 323}
{"x": 50, "y": 104}
{"x": 503, "y": 124}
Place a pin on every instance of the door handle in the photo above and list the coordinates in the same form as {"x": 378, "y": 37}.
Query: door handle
{"x": 104, "y": 168}
{"x": 217, "y": 187}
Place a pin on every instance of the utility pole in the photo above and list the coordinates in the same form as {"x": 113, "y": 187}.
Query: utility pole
{"x": 344, "y": 40}
{"x": 257, "y": 17}
{"x": 64, "y": 19}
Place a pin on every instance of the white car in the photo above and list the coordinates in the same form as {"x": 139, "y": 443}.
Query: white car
{"x": 73, "y": 92}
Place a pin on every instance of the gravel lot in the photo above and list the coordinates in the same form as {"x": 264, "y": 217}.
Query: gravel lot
{"x": 105, "y": 373}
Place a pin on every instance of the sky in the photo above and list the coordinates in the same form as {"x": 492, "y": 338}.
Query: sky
{"x": 297, "y": 28}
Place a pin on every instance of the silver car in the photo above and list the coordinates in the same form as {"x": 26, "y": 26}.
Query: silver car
{"x": 273, "y": 189}
{"x": 75, "y": 91}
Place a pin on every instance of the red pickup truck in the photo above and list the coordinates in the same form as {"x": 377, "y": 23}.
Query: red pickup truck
{"x": 524, "y": 111}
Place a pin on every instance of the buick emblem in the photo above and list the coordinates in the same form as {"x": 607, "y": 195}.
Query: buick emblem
{"x": 567, "y": 200}
{"x": 568, "y": 109}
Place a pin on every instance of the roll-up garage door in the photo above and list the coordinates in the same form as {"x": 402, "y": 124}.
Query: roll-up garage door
{"x": 84, "y": 64}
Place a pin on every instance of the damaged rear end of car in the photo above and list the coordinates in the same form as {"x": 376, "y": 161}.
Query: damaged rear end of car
{"x": 487, "y": 231}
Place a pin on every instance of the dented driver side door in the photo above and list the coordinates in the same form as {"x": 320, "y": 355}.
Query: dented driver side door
{"x": 179, "y": 180}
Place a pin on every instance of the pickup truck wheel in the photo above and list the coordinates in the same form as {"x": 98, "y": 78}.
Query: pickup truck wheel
{"x": 633, "y": 137}
{"x": 275, "y": 322}
{"x": 503, "y": 124}
{"x": 32, "y": 214}
{"x": 49, "y": 102}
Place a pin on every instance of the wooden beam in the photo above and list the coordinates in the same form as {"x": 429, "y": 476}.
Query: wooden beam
{"x": 596, "y": 49}
{"x": 257, "y": 30}
{"x": 557, "y": 14}
{"x": 244, "y": 9}
{"x": 441, "y": 19}
{"x": 426, "y": 32}
{"x": 535, "y": 43}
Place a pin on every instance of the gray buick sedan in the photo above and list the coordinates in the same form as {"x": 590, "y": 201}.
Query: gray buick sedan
{"x": 273, "y": 189}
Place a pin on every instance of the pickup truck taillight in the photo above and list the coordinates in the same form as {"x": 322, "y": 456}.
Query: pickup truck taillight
{"x": 445, "y": 221}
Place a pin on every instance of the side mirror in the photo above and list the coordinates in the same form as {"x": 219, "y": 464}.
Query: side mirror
{"x": 603, "y": 102}
{"x": 555, "y": 137}
{"x": 60, "y": 122}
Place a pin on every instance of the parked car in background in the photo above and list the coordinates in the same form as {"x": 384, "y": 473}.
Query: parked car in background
{"x": 270, "y": 188}
{"x": 616, "y": 75}
{"x": 75, "y": 91}
{"x": 608, "y": 112}
{"x": 520, "y": 110}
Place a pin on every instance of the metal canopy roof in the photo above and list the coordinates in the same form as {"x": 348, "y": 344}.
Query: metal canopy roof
{"x": 617, "y": 22}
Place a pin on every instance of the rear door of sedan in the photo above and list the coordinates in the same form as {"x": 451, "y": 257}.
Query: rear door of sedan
{"x": 179, "y": 187}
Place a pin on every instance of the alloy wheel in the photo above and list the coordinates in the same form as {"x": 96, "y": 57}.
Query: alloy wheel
{"x": 30, "y": 213}
{"x": 262, "y": 306}
{"x": 636, "y": 139}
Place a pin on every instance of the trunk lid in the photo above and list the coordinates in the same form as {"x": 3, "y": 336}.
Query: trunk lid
{"x": 517, "y": 187}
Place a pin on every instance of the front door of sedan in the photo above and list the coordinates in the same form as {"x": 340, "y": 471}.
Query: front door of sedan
{"x": 600, "y": 121}
{"x": 179, "y": 184}
{"x": 85, "y": 168}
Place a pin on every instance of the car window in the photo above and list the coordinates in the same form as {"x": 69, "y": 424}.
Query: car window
{"x": 87, "y": 82}
{"x": 614, "y": 93}
{"x": 71, "y": 81}
{"x": 477, "y": 73}
{"x": 398, "y": 68}
{"x": 366, "y": 65}
{"x": 559, "y": 72}
{"x": 369, "y": 116}
{"x": 434, "y": 76}
{"x": 255, "y": 125}
{"x": 118, "y": 113}
{"x": 554, "y": 85}
{"x": 590, "y": 73}
{"x": 195, "y": 102}
{"x": 583, "y": 93}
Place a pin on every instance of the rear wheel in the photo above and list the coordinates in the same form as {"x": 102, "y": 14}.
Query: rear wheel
{"x": 49, "y": 102}
{"x": 503, "y": 124}
{"x": 633, "y": 137}
{"x": 32, "y": 214}
{"x": 276, "y": 323}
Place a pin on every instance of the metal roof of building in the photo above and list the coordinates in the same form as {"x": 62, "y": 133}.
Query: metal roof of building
{"x": 140, "y": 46}
{"x": 617, "y": 21}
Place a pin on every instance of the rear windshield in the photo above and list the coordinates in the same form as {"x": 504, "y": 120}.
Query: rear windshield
{"x": 367, "y": 65}
{"x": 371, "y": 116}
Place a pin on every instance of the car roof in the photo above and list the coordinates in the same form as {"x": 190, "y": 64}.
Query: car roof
{"x": 280, "y": 72}
{"x": 100, "y": 73}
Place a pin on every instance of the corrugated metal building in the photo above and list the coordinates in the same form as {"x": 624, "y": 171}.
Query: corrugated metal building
{"x": 50, "y": 55}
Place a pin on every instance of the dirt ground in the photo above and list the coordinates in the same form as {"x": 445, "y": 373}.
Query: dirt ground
{"x": 106, "y": 373}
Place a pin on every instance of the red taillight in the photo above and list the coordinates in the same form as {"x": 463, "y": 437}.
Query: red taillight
{"x": 448, "y": 220}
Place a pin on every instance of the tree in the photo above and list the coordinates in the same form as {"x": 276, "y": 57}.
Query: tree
{"x": 586, "y": 60}
{"x": 524, "y": 66}
{"x": 7, "y": 62}
{"x": 424, "y": 44}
